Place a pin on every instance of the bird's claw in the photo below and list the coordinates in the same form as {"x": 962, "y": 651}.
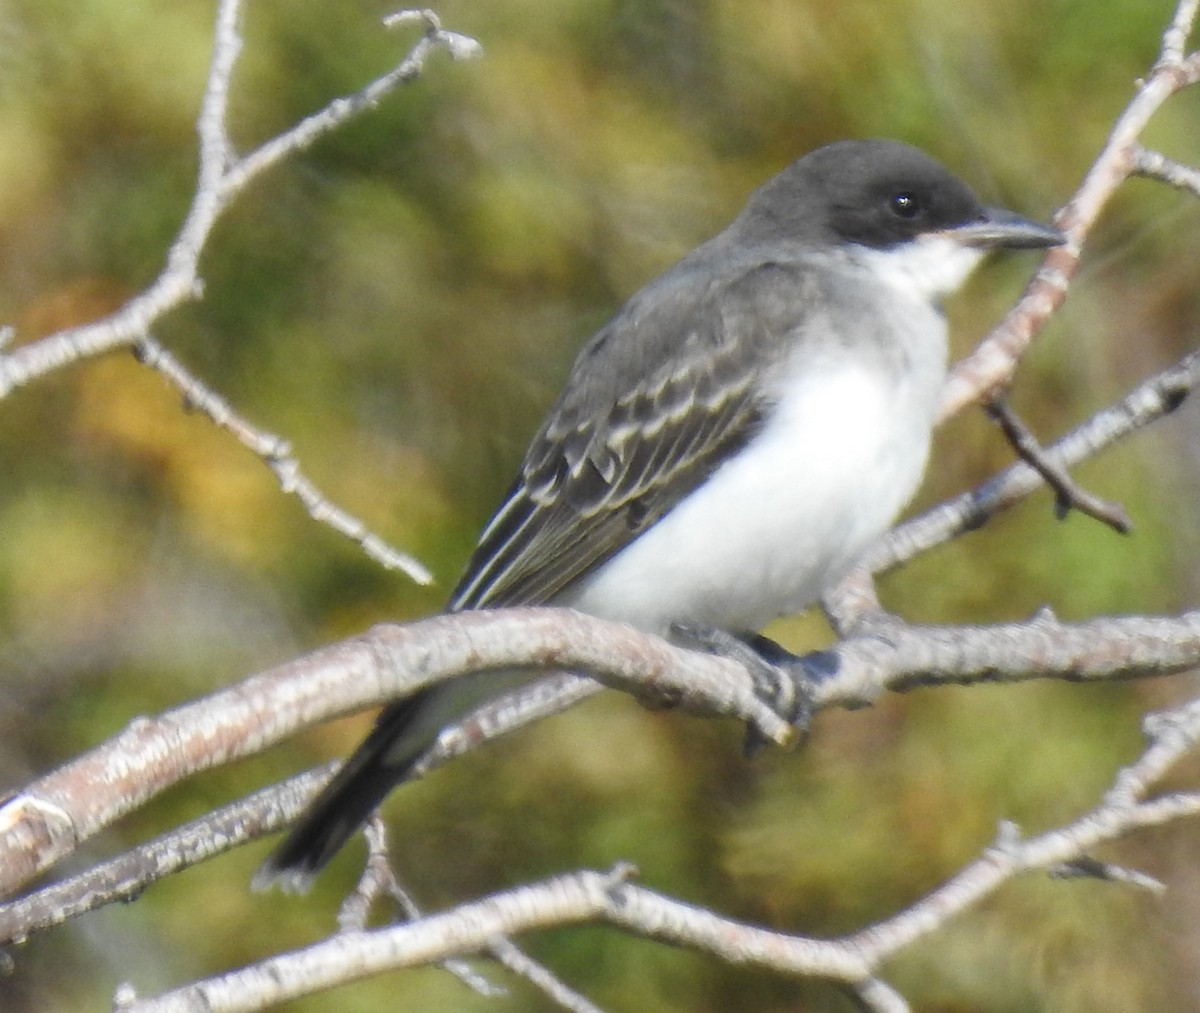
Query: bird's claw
{"x": 782, "y": 680}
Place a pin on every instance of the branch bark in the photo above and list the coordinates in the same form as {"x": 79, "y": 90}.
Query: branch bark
{"x": 221, "y": 178}
{"x": 992, "y": 364}
{"x": 48, "y": 820}
{"x": 56, "y": 813}
{"x": 590, "y": 896}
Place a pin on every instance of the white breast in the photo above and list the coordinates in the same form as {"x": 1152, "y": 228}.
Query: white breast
{"x": 780, "y": 522}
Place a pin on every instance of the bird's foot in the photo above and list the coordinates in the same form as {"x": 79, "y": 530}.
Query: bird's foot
{"x": 784, "y": 681}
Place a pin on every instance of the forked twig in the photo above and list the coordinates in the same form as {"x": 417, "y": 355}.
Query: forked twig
{"x": 1068, "y": 494}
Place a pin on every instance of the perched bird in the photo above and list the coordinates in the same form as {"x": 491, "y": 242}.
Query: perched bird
{"x": 729, "y": 443}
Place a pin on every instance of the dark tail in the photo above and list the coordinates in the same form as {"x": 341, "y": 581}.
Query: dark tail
{"x": 385, "y": 758}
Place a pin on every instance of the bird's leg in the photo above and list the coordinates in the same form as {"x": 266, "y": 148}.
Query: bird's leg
{"x": 784, "y": 681}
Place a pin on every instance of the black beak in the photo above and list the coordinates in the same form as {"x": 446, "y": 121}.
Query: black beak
{"x": 999, "y": 228}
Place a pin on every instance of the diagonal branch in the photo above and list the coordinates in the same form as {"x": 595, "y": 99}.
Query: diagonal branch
{"x": 48, "y": 820}
{"x": 992, "y": 364}
{"x": 276, "y": 453}
{"x": 341, "y": 110}
{"x": 590, "y": 897}
{"x": 221, "y": 178}
{"x": 125, "y": 877}
{"x": 1068, "y": 494}
{"x": 1124, "y": 808}
{"x": 1148, "y": 402}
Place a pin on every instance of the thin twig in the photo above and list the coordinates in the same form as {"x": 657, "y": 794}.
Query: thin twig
{"x": 991, "y": 366}
{"x": 1149, "y": 401}
{"x": 1068, "y": 494}
{"x": 1153, "y": 165}
{"x": 541, "y": 977}
{"x": 1087, "y": 867}
{"x": 1119, "y": 814}
{"x": 342, "y": 110}
{"x": 276, "y": 453}
{"x": 378, "y": 879}
{"x": 877, "y": 996}
{"x": 125, "y": 876}
{"x": 221, "y": 177}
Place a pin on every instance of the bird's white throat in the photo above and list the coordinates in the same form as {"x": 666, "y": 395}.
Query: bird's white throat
{"x": 930, "y": 267}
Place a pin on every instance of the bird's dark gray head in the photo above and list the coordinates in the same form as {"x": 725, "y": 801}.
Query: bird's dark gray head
{"x": 879, "y": 194}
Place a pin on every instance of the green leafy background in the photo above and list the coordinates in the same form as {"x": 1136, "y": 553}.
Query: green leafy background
{"x": 402, "y": 302}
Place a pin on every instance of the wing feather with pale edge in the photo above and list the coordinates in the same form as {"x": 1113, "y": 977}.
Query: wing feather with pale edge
{"x": 660, "y": 396}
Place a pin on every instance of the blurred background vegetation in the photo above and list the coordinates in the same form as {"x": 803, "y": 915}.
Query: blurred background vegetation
{"x": 403, "y": 301}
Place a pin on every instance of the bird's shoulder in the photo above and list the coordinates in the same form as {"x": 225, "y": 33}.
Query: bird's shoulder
{"x": 696, "y": 338}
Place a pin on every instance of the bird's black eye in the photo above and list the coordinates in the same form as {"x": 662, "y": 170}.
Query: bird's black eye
{"x": 905, "y": 204}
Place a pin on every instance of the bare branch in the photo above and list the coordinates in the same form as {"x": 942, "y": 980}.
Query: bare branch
{"x": 1175, "y": 38}
{"x": 877, "y": 996}
{"x": 897, "y": 656}
{"x": 592, "y": 896}
{"x": 48, "y": 820}
{"x": 547, "y": 696}
{"x": 1154, "y": 165}
{"x": 1069, "y": 495}
{"x": 341, "y": 110}
{"x": 276, "y": 453}
{"x": 1087, "y": 867}
{"x": 222, "y": 177}
{"x": 1146, "y": 403}
{"x": 567, "y": 899}
{"x": 992, "y": 364}
{"x": 1123, "y": 810}
{"x": 126, "y": 876}
{"x": 53, "y": 815}
{"x": 378, "y": 880}
{"x": 538, "y": 975}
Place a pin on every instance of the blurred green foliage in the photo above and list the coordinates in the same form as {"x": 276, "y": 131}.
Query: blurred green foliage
{"x": 402, "y": 302}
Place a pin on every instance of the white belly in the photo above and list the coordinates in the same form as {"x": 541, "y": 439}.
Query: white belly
{"x": 779, "y": 523}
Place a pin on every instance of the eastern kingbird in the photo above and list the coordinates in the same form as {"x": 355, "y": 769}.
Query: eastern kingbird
{"x": 729, "y": 443}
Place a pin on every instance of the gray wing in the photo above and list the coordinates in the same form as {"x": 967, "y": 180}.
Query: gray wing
{"x": 658, "y": 398}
